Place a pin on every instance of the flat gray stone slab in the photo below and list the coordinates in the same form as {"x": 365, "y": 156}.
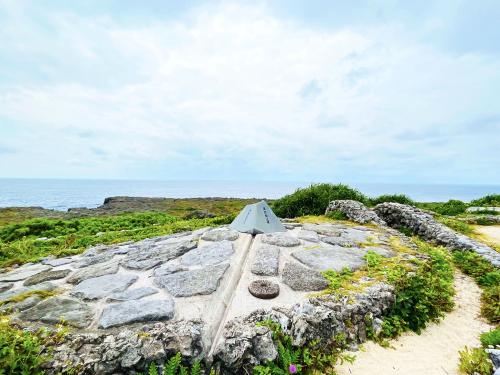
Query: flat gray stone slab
{"x": 169, "y": 268}
{"x": 280, "y": 239}
{"x": 266, "y": 261}
{"x": 5, "y": 287}
{"x": 14, "y": 292}
{"x": 144, "y": 259}
{"x": 86, "y": 261}
{"x": 220, "y": 234}
{"x": 190, "y": 283}
{"x": 46, "y": 276}
{"x": 132, "y": 294}
{"x": 338, "y": 241}
{"x": 23, "y": 272}
{"x": 308, "y": 235}
{"x": 358, "y": 235}
{"x": 22, "y": 305}
{"x": 56, "y": 309}
{"x": 324, "y": 229}
{"x": 213, "y": 253}
{"x": 56, "y": 262}
{"x": 301, "y": 278}
{"x": 136, "y": 311}
{"x": 331, "y": 258}
{"x": 103, "y": 286}
{"x": 93, "y": 271}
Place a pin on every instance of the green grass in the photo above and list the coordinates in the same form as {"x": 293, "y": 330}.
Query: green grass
{"x": 19, "y": 242}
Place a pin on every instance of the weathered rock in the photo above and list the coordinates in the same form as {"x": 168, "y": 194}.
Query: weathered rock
{"x": 169, "y": 268}
{"x": 213, "y": 253}
{"x": 264, "y": 289}
{"x": 301, "y": 278}
{"x": 220, "y": 234}
{"x": 423, "y": 224}
{"x": 323, "y": 229}
{"x": 266, "y": 261}
{"x": 5, "y": 287}
{"x": 494, "y": 356}
{"x": 338, "y": 241}
{"x": 23, "y": 272}
{"x": 308, "y": 235}
{"x": 136, "y": 311}
{"x": 280, "y": 239}
{"x": 147, "y": 258}
{"x": 27, "y": 303}
{"x": 93, "y": 271}
{"x": 190, "y": 283}
{"x": 56, "y": 262}
{"x": 331, "y": 258}
{"x": 46, "y": 276}
{"x": 355, "y": 211}
{"x": 14, "y": 292}
{"x": 103, "y": 286}
{"x": 56, "y": 309}
{"x": 132, "y": 294}
{"x": 91, "y": 260}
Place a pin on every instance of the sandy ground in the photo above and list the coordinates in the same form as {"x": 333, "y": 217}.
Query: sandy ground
{"x": 489, "y": 232}
{"x": 435, "y": 351}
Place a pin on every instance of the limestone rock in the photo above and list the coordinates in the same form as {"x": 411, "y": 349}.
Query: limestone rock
{"x": 280, "y": 239}
{"x": 56, "y": 309}
{"x": 331, "y": 258}
{"x": 220, "y": 234}
{"x": 301, "y": 278}
{"x": 5, "y": 287}
{"x": 338, "y": 241}
{"x": 103, "y": 286}
{"x": 264, "y": 289}
{"x": 56, "y": 262}
{"x": 14, "y": 292}
{"x": 136, "y": 311}
{"x": 132, "y": 294}
{"x": 159, "y": 252}
{"x": 93, "y": 271}
{"x": 190, "y": 283}
{"x": 323, "y": 229}
{"x": 24, "y": 272}
{"x": 90, "y": 260}
{"x": 168, "y": 268}
{"x": 308, "y": 235}
{"x": 46, "y": 276}
{"x": 355, "y": 211}
{"x": 213, "y": 253}
{"x": 266, "y": 261}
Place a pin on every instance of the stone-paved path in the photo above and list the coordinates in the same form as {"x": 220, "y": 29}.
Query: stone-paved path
{"x": 435, "y": 351}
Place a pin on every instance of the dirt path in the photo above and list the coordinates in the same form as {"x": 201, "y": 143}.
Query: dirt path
{"x": 490, "y": 232}
{"x": 435, "y": 351}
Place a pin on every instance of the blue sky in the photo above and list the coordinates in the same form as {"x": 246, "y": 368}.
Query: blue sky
{"x": 370, "y": 91}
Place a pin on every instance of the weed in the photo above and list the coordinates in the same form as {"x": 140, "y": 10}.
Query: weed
{"x": 475, "y": 362}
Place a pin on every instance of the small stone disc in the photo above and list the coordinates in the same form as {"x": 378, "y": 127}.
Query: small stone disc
{"x": 264, "y": 289}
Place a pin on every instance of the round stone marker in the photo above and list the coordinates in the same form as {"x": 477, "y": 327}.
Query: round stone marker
{"x": 264, "y": 289}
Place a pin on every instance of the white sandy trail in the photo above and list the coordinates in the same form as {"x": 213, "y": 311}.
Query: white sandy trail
{"x": 490, "y": 232}
{"x": 435, "y": 351}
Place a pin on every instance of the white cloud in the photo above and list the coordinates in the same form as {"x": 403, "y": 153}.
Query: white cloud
{"x": 225, "y": 82}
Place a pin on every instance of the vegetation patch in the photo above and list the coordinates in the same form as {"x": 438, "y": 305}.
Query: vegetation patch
{"x": 475, "y": 361}
{"x": 397, "y": 198}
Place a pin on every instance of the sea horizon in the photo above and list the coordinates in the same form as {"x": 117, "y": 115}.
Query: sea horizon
{"x": 62, "y": 194}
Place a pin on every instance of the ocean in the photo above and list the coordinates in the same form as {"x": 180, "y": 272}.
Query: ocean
{"x": 63, "y": 194}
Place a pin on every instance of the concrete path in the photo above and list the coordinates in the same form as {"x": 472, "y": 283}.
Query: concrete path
{"x": 435, "y": 351}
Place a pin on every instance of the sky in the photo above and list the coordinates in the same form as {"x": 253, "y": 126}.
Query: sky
{"x": 286, "y": 90}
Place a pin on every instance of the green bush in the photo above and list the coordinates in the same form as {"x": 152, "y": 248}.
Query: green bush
{"x": 492, "y": 200}
{"x": 451, "y": 208}
{"x": 314, "y": 199}
{"x": 455, "y": 224}
{"x": 491, "y": 338}
{"x": 422, "y": 295}
{"x": 397, "y": 198}
{"x": 475, "y": 362}
{"x": 490, "y": 304}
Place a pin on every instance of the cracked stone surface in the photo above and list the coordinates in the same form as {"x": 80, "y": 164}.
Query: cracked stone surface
{"x": 190, "y": 283}
{"x": 14, "y": 292}
{"x": 23, "y": 272}
{"x": 266, "y": 261}
{"x": 280, "y": 239}
{"x": 132, "y": 294}
{"x": 93, "y": 271}
{"x": 103, "y": 286}
{"x": 136, "y": 311}
{"x": 210, "y": 254}
{"x": 299, "y": 277}
{"x": 220, "y": 234}
{"x": 46, "y": 276}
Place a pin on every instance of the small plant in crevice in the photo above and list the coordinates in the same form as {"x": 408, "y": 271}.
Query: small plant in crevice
{"x": 308, "y": 359}
{"x": 174, "y": 366}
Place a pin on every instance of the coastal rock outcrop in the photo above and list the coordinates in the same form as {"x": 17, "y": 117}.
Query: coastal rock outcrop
{"x": 355, "y": 211}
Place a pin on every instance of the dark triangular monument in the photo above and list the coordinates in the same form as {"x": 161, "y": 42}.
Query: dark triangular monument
{"x": 257, "y": 218}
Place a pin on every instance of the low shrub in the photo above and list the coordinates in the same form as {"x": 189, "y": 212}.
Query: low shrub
{"x": 492, "y": 200}
{"x": 314, "y": 199}
{"x": 490, "y": 338}
{"x": 174, "y": 366}
{"x": 336, "y": 215}
{"x": 475, "y": 361}
{"x": 490, "y": 304}
{"x": 451, "y": 208}
{"x": 456, "y": 225}
{"x": 397, "y": 198}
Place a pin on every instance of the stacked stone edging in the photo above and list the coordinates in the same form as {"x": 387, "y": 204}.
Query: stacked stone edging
{"x": 424, "y": 225}
{"x": 355, "y": 211}
{"x": 245, "y": 344}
